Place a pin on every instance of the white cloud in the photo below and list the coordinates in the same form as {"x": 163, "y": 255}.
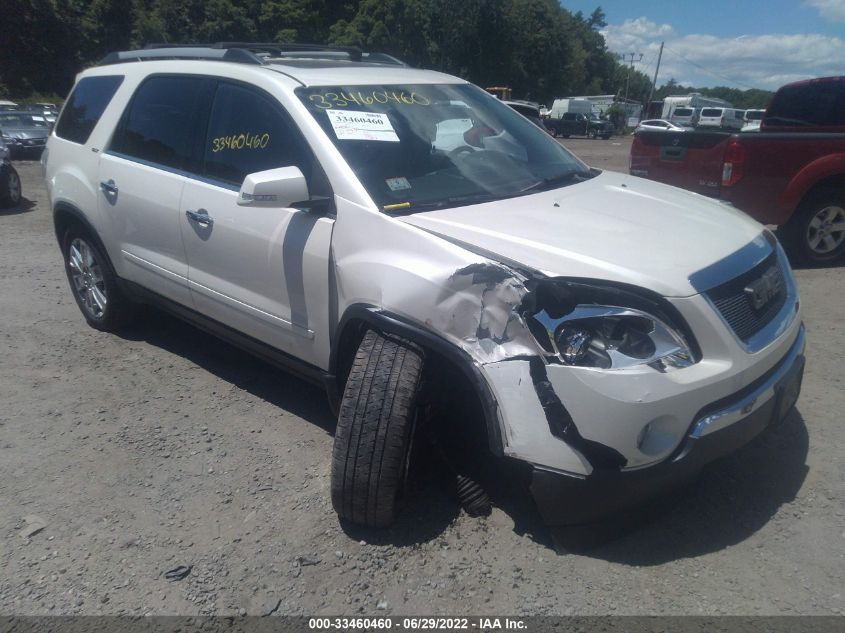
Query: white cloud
{"x": 833, "y": 10}
{"x": 749, "y": 61}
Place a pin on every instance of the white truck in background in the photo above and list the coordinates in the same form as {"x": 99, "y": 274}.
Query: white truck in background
{"x": 685, "y": 109}
{"x": 578, "y": 106}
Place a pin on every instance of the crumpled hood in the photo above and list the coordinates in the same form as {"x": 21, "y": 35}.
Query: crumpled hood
{"x": 613, "y": 227}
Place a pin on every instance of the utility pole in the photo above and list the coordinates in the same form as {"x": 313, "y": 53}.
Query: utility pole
{"x": 628, "y": 76}
{"x": 654, "y": 82}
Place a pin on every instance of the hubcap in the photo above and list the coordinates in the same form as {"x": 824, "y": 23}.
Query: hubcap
{"x": 87, "y": 276}
{"x": 826, "y": 231}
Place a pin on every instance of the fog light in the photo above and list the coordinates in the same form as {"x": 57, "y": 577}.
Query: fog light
{"x": 573, "y": 343}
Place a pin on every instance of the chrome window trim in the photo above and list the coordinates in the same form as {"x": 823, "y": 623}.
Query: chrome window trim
{"x": 742, "y": 260}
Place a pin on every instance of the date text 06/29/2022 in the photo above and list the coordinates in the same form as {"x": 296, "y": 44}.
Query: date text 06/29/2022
{"x": 417, "y": 623}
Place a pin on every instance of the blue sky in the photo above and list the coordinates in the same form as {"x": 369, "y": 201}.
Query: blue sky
{"x": 739, "y": 43}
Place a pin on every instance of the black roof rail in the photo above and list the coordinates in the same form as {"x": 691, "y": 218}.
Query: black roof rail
{"x": 182, "y": 51}
{"x": 247, "y": 53}
{"x": 280, "y": 48}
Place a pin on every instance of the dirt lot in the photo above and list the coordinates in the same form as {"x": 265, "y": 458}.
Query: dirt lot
{"x": 164, "y": 447}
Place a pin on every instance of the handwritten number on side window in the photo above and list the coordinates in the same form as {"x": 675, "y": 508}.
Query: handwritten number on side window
{"x": 239, "y": 141}
{"x": 331, "y": 100}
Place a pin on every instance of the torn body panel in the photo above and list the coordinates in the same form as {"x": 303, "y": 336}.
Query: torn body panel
{"x": 470, "y": 300}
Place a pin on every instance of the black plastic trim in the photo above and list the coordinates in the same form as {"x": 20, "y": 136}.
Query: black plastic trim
{"x": 562, "y": 426}
{"x": 269, "y": 354}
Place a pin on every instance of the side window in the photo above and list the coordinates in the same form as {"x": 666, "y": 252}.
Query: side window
{"x": 820, "y": 103}
{"x": 247, "y": 133}
{"x": 85, "y": 106}
{"x": 158, "y": 126}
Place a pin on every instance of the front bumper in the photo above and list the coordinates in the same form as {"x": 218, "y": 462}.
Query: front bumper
{"x": 27, "y": 144}
{"x": 719, "y": 429}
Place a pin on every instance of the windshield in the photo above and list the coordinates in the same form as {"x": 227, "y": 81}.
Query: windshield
{"x": 419, "y": 147}
{"x": 19, "y": 119}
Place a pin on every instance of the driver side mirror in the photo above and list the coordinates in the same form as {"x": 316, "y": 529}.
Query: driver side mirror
{"x": 279, "y": 188}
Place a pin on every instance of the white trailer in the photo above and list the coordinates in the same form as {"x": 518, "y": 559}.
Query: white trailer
{"x": 562, "y": 106}
{"x": 693, "y": 100}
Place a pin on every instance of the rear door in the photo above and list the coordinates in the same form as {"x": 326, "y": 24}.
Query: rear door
{"x": 260, "y": 270}
{"x": 141, "y": 176}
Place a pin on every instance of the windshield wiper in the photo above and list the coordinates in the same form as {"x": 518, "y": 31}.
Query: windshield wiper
{"x": 560, "y": 179}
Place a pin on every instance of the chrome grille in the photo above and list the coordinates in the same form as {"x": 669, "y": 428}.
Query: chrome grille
{"x": 750, "y": 301}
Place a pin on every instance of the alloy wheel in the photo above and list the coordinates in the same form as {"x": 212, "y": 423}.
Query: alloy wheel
{"x": 826, "y": 231}
{"x": 87, "y": 276}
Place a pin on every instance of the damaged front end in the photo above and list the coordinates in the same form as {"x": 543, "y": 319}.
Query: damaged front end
{"x": 521, "y": 326}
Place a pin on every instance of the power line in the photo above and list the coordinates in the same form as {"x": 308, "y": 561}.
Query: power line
{"x": 708, "y": 71}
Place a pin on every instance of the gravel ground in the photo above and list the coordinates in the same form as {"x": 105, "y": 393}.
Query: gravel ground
{"x": 161, "y": 447}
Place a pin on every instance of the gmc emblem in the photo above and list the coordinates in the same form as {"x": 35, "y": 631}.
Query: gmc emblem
{"x": 764, "y": 289}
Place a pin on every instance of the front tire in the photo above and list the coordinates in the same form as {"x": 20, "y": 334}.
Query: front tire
{"x": 375, "y": 425}
{"x": 816, "y": 232}
{"x": 93, "y": 283}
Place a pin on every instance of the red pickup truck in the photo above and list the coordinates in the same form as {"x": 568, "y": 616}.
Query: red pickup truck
{"x": 791, "y": 173}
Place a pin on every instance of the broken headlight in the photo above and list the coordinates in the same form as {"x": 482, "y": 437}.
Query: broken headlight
{"x": 611, "y": 337}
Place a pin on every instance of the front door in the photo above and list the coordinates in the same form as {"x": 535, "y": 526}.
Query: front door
{"x": 262, "y": 271}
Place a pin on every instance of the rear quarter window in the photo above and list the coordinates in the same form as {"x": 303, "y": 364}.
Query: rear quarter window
{"x": 817, "y": 104}
{"x": 85, "y": 106}
{"x": 160, "y": 124}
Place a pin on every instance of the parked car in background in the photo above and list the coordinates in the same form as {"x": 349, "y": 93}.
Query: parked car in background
{"x": 530, "y": 111}
{"x": 684, "y": 116}
{"x": 725, "y": 118}
{"x": 658, "y": 124}
{"x": 46, "y": 110}
{"x": 791, "y": 173}
{"x": 577, "y": 124}
{"x": 7, "y": 105}
{"x": 25, "y": 133}
{"x": 10, "y": 182}
{"x": 751, "y": 120}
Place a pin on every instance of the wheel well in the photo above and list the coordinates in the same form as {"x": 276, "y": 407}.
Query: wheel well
{"x": 831, "y": 182}
{"x": 63, "y": 219}
{"x": 451, "y": 393}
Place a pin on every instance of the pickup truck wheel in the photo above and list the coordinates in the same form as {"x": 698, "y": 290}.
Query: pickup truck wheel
{"x": 93, "y": 283}
{"x": 816, "y": 233}
{"x": 372, "y": 443}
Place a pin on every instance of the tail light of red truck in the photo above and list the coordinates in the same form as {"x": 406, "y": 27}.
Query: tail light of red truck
{"x": 733, "y": 161}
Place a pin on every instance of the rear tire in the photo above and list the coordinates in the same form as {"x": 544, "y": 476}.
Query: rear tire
{"x": 93, "y": 282}
{"x": 816, "y": 232}
{"x": 375, "y": 425}
{"x": 10, "y": 187}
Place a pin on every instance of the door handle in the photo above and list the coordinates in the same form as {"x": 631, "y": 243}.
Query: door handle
{"x": 201, "y": 217}
{"x": 109, "y": 187}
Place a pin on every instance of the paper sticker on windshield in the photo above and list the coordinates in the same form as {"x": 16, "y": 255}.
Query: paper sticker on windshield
{"x": 362, "y": 126}
{"x": 398, "y": 184}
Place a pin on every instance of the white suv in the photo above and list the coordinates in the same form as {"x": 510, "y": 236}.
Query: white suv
{"x": 434, "y": 260}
